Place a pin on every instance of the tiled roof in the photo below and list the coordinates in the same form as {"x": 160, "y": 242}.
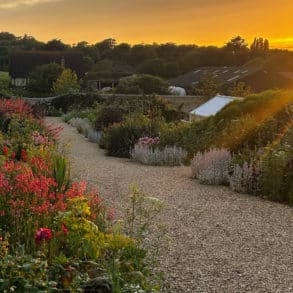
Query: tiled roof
{"x": 223, "y": 74}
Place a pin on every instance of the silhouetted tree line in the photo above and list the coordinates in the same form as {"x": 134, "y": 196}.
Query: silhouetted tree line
{"x": 164, "y": 60}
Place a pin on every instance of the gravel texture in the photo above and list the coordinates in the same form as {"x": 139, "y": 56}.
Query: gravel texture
{"x": 220, "y": 241}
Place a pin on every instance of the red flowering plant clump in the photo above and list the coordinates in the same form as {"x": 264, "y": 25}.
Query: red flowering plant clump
{"x": 43, "y": 234}
{"x": 10, "y": 107}
{"x": 29, "y": 193}
{"x": 41, "y": 210}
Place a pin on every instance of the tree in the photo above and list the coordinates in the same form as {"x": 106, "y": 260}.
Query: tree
{"x": 238, "y": 50}
{"x": 121, "y": 52}
{"x": 55, "y": 45}
{"x": 236, "y": 44}
{"x": 66, "y": 82}
{"x": 240, "y": 89}
{"x": 208, "y": 87}
{"x": 29, "y": 43}
{"x": 153, "y": 67}
{"x": 142, "y": 84}
{"x": 259, "y": 47}
{"x": 106, "y": 46}
{"x": 6, "y": 36}
{"x": 4, "y": 84}
{"x": 42, "y": 78}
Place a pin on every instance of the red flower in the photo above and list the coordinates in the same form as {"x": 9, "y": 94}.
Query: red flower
{"x": 43, "y": 234}
{"x": 64, "y": 229}
{"x": 23, "y": 155}
{"x": 5, "y": 150}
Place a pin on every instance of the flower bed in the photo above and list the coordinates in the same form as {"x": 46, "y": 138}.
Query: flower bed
{"x": 54, "y": 233}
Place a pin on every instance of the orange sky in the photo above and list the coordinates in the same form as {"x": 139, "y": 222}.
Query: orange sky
{"x": 201, "y": 22}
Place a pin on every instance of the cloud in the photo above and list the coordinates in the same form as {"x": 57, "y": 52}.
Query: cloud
{"x": 9, "y": 4}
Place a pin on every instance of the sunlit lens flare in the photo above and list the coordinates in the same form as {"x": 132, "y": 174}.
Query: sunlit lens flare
{"x": 239, "y": 130}
{"x": 278, "y": 139}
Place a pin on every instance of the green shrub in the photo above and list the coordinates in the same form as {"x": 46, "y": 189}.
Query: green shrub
{"x": 251, "y": 123}
{"x": 24, "y": 273}
{"x": 277, "y": 170}
{"x": 75, "y": 101}
{"x": 142, "y": 84}
{"x": 119, "y": 139}
{"x": 108, "y": 116}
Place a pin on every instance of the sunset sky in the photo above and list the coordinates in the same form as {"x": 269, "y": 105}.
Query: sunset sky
{"x": 202, "y": 22}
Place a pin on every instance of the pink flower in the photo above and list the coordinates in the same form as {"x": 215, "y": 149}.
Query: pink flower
{"x": 111, "y": 214}
{"x": 43, "y": 234}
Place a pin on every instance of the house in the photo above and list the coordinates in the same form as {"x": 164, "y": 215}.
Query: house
{"x": 211, "y": 107}
{"x": 256, "y": 76}
{"x": 22, "y": 63}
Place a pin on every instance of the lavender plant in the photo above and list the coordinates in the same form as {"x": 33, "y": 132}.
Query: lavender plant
{"x": 245, "y": 178}
{"x": 212, "y": 166}
{"x": 146, "y": 153}
{"x": 84, "y": 127}
{"x": 168, "y": 156}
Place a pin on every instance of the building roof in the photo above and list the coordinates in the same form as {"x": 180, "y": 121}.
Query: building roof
{"x": 213, "y": 106}
{"x": 287, "y": 74}
{"x": 22, "y": 63}
{"x": 225, "y": 75}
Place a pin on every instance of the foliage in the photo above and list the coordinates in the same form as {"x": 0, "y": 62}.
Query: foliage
{"x": 41, "y": 80}
{"x": 212, "y": 166}
{"x": 61, "y": 172}
{"x": 245, "y": 178}
{"x": 260, "y": 47}
{"x": 55, "y": 235}
{"x": 250, "y": 123}
{"x": 142, "y": 84}
{"x": 119, "y": 139}
{"x": 74, "y": 101}
{"x": 148, "y": 154}
{"x": 141, "y": 212}
{"x": 240, "y": 89}
{"x": 66, "y": 83}
{"x": 24, "y": 273}
{"x": 84, "y": 127}
{"x": 9, "y": 107}
{"x": 208, "y": 87}
{"x": 4, "y": 84}
{"x": 173, "y": 133}
{"x": 108, "y": 116}
{"x": 276, "y": 164}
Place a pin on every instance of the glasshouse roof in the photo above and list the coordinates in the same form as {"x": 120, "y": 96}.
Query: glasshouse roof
{"x": 213, "y": 106}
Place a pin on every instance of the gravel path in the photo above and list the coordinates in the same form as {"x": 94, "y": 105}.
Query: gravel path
{"x": 220, "y": 241}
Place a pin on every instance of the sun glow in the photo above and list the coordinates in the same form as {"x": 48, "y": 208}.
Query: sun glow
{"x": 282, "y": 43}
